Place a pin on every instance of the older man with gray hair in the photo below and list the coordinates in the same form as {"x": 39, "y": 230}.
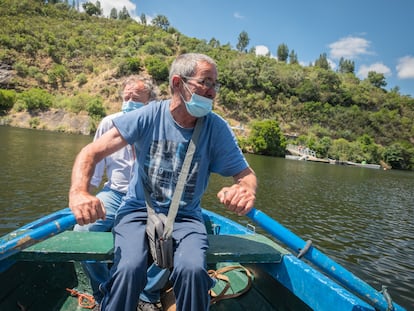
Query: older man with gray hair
{"x": 136, "y": 92}
{"x": 160, "y": 133}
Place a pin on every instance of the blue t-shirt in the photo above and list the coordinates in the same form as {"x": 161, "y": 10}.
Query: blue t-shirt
{"x": 161, "y": 145}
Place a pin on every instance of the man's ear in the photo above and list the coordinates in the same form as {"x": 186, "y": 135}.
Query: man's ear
{"x": 176, "y": 81}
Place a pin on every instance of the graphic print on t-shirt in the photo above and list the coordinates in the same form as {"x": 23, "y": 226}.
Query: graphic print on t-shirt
{"x": 163, "y": 166}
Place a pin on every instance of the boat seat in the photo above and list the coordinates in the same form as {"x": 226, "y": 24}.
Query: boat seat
{"x": 98, "y": 246}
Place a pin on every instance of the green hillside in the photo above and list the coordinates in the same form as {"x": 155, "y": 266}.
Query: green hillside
{"x": 54, "y": 57}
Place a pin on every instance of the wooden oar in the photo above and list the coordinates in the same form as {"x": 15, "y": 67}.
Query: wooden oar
{"x": 36, "y": 232}
{"x": 327, "y": 265}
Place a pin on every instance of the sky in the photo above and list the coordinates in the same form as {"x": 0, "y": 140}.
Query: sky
{"x": 376, "y": 34}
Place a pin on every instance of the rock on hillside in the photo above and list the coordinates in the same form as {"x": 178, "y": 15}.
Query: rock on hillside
{"x": 52, "y": 120}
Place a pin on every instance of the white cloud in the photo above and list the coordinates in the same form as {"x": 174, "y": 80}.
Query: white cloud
{"x": 377, "y": 67}
{"x": 238, "y": 15}
{"x": 349, "y": 48}
{"x": 262, "y": 50}
{"x": 405, "y": 67}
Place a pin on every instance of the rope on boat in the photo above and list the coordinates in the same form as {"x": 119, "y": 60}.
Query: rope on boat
{"x": 85, "y": 301}
{"x": 388, "y": 298}
{"x": 305, "y": 249}
{"x": 219, "y": 275}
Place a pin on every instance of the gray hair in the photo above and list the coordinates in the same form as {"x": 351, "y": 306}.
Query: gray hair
{"x": 185, "y": 65}
{"x": 148, "y": 84}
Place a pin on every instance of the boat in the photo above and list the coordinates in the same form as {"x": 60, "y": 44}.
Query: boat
{"x": 305, "y": 154}
{"x": 270, "y": 270}
{"x": 364, "y": 164}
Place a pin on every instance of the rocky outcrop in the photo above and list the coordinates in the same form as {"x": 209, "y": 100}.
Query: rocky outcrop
{"x": 52, "y": 120}
{"x": 6, "y": 75}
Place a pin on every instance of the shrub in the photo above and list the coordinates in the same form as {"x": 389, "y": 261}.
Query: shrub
{"x": 7, "y": 99}
{"x": 129, "y": 66}
{"x": 81, "y": 79}
{"x": 95, "y": 108}
{"x": 89, "y": 65}
{"x": 153, "y": 48}
{"x": 33, "y": 99}
{"x": 21, "y": 68}
{"x": 34, "y": 122}
{"x": 58, "y": 73}
{"x": 77, "y": 103}
{"x": 157, "y": 68}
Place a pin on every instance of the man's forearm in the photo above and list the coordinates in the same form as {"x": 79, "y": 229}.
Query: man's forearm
{"x": 82, "y": 171}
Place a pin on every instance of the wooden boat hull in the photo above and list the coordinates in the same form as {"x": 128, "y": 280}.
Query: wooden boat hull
{"x": 36, "y": 278}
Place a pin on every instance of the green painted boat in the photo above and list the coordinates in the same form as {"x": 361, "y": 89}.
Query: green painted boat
{"x": 40, "y": 269}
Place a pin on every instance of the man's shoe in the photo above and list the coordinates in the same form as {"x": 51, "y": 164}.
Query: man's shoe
{"x": 149, "y": 306}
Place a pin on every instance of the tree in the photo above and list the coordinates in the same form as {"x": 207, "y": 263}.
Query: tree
{"x": 243, "y": 41}
{"x": 282, "y": 52}
{"x": 161, "y": 21}
{"x": 346, "y": 66}
{"x": 399, "y": 155}
{"x": 266, "y": 138}
{"x": 113, "y": 14}
{"x": 214, "y": 43}
{"x": 98, "y": 7}
{"x": 124, "y": 14}
{"x": 376, "y": 79}
{"x": 322, "y": 62}
{"x": 340, "y": 149}
{"x": 143, "y": 19}
{"x": 293, "y": 57}
{"x": 92, "y": 9}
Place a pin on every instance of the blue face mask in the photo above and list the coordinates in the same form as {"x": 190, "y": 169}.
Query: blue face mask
{"x": 198, "y": 106}
{"x": 130, "y": 105}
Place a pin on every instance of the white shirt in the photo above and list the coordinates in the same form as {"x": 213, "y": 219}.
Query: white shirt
{"x": 118, "y": 166}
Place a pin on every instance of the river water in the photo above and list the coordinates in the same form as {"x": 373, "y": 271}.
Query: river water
{"x": 361, "y": 218}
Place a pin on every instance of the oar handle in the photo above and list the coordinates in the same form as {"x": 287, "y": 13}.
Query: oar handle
{"x": 327, "y": 265}
{"x": 277, "y": 230}
{"x": 33, "y": 236}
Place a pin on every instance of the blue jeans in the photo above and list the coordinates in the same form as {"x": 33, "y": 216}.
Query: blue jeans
{"x": 98, "y": 272}
{"x": 190, "y": 279}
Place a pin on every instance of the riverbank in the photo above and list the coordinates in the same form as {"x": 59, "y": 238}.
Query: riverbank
{"x": 56, "y": 120}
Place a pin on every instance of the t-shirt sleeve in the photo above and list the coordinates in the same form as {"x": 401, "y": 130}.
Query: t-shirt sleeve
{"x": 228, "y": 159}
{"x": 127, "y": 125}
